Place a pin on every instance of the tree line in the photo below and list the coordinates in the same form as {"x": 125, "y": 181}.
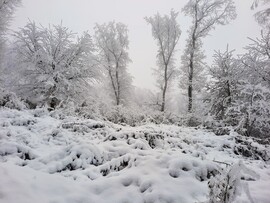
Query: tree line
{"x": 54, "y": 67}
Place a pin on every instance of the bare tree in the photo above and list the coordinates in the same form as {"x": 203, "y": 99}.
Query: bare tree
{"x": 206, "y": 14}
{"x": 112, "y": 43}
{"x": 166, "y": 31}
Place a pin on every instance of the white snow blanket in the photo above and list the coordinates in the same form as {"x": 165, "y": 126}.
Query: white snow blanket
{"x": 54, "y": 159}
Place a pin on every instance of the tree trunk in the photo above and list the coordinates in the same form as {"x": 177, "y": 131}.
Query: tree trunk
{"x": 164, "y": 89}
{"x": 190, "y": 88}
{"x": 229, "y": 92}
{"x": 163, "y": 102}
{"x": 190, "y": 78}
{"x": 117, "y": 101}
{"x": 118, "y": 84}
{"x": 114, "y": 88}
{"x": 191, "y": 64}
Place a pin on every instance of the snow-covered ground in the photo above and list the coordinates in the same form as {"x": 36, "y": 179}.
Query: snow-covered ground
{"x": 49, "y": 158}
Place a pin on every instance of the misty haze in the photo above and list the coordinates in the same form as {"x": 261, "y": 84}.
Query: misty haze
{"x": 132, "y": 101}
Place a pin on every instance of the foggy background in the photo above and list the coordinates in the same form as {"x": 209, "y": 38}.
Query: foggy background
{"x": 82, "y": 15}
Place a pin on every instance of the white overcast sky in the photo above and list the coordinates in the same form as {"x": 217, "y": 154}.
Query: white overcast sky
{"x": 81, "y": 15}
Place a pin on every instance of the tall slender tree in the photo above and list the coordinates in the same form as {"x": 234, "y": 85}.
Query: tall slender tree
{"x": 112, "y": 43}
{"x": 206, "y": 14}
{"x": 166, "y": 32}
{"x": 7, "y": 8}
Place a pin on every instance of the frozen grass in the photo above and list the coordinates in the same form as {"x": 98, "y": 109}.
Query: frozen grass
{"x": 44, "y": 158}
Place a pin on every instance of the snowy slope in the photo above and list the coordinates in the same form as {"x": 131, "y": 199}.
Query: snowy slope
{"x": 51, "y": 158}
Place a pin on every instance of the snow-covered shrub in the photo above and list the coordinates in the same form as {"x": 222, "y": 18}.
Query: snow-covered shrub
{"x": 132, "y": 114}
{"x": 39, "y": 112}
{"x": 22, "y": 121}
{"x": 228, "y": 184}
{"x": 75, "y": 125}
{"x": 198, "y": 114}
{"x": 250, "y": 112}
{"x": 91, "y": 109}
{"x": 191, "y": 120}
{"x": 116, "y": 164}
{"x": 251, "y": 149}
{"x": 124, "y": 115}
{"x": 216, "y": 126}
{"x": 201, "y": 170}
{"x": 138, "y": 144}
{"x": 99, "y": 110}
{"x": 13, "y": 149}
{"x": 10, "y": 100}
{"x": 73, "y": 157}
{"x": 153, "y": 138}
{"x": 154, "y": 116}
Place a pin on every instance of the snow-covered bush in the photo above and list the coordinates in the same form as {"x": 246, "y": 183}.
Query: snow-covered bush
{"x": 132, "y": 114}
{"x": 73, "y": 157}
{"x": 123, "y": 115}
{"x": 249, "y": 148}
{"x": 13, "y": 149}
{"x": 95, "y": 109}
{"x": 116, "y": 164}
{"x": 10, "y": 100}
{"x": 191, "y": 120}
{"x": 228, "y": 184}
{"x": 152, "y": 138}
{"x": 201, "y": 170}
{"x": 250, "y": 111}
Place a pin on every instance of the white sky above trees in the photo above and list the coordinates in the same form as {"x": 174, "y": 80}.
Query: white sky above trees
{"x": 82, "y": 15}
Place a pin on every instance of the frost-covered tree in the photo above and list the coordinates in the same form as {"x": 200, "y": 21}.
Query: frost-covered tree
{"x": 257, "y": 59}
{"x": 263, "y": 16}
{"x": 112, "y": 42}
{"x": 239, "y": 92}
{"x": 250, "y": 112}
{"x": 225, "y": 74}
{"x": 7, "y": 8}
{"x": 166, "y": 32}
{"x": 54, "y": 65}
{"x": 251, "y": 108}
{"x": 206, "y": 14}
